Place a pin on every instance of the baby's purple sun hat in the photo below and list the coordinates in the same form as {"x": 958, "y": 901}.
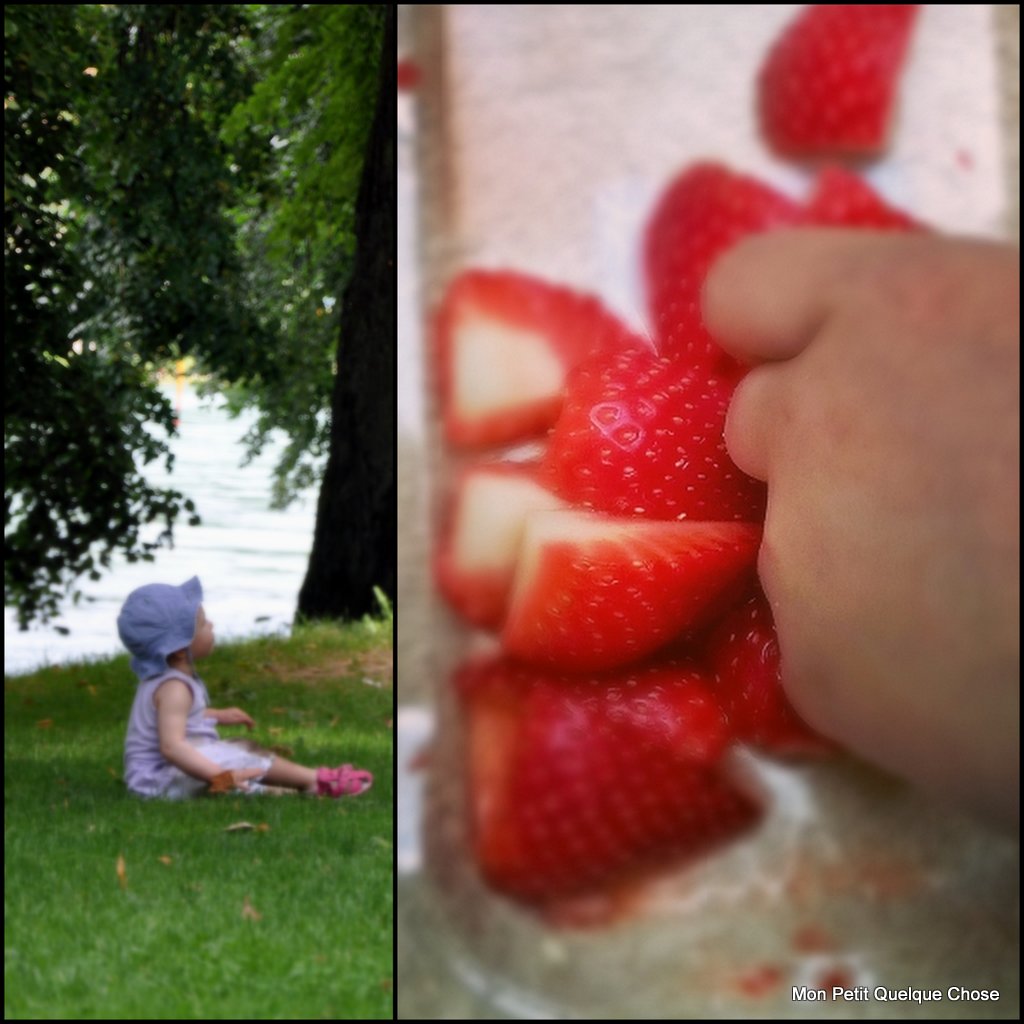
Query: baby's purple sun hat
{"x": 158, "y": 620}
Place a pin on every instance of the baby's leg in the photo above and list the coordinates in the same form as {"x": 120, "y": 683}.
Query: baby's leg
{"x": 298, "y": 778}
{"x": 286, "y": 773}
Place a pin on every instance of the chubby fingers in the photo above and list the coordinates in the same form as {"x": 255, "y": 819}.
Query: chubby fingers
{"x": 767, "y": 297}
{"x": 236, "y": 716}
{"x": 756, "y": 413}
{"x": 764, "y": 302}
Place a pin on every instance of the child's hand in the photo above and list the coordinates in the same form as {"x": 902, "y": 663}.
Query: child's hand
{"x": 883, "y": 410}
{"x": 233, "y": 716}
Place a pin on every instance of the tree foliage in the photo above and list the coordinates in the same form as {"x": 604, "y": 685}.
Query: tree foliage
{"x": 316, "y": 73}
{"x": 179, "y": 180}
{"x": 154, "y": 227}
{"x": 76, "y": 414}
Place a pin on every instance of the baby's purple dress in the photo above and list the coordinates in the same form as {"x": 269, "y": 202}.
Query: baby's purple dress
{"x": 156, "y": 621}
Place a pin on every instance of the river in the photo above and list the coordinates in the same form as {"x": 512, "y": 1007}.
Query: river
{"x": 251, "y": 560}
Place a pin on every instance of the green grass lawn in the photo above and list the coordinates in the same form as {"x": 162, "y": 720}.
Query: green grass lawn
{"x": 291, "y": 920}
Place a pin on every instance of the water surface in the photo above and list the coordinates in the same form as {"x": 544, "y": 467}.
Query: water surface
{"x": 251, "y": 560}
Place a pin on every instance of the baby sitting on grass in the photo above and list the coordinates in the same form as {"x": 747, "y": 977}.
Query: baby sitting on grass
{"x": 172, "y": 748}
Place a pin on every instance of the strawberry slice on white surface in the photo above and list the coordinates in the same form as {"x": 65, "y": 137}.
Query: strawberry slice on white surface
{"x": 828, "y": 84}
{"x": 579, "y": 783}
{"x": 475, "y": 561}
{"x": 594, "y": 592}
{"x": 505, "y": 342}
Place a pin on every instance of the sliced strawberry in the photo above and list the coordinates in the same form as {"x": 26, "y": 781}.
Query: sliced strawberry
{"x": 703, "y": 212}
{"x": 505, "y": 342}
{"x": 409, "y": 75}
{"x": 844, "y": 199}
{"x": 577, "y": 783}
{"x": 476, "y": 559}
{"x": 594, "y": 592}
{"x": 828, "y": 84}
{"x": 641, "y": 435}
{"x": 743, "y": 651}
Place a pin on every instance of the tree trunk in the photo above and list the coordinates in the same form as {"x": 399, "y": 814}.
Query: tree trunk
{"x": 354, "y": 545}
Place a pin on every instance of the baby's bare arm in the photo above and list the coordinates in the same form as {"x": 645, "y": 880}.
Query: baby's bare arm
{"x": 883, "y": 411}
{"x": 229, "y": 716}
{"x": 173, "y": 701}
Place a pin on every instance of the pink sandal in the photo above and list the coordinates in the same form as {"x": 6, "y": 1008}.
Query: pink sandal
{"x": 343, "y": 781}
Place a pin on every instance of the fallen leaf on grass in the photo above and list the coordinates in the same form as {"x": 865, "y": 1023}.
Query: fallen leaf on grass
{"x": 122, "y": 873}
{"x": 245, "y": 826}
{"x": 249, "y": 912}
{"x": 165, "y": 860}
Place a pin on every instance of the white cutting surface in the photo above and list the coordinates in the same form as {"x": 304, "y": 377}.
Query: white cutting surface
{"x": 563, "y": 122}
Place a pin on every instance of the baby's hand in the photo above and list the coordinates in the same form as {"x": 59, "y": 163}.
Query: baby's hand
{"x": 233, "y": 716}
{"x": 884, "y": 413}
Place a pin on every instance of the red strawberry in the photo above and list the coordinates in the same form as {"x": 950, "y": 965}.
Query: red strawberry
{"x": 828, "y": 84}
{"x": 640, "y": 435}
{"x": 702, "y": 213}
{"x": 743, "y": 650}
{"x": 409, "y": 75}
{"x": 594, "y": 592}
{"x": 844, "y": 199}
{"x": 505, "y": 342}
{"x": 577, "y": 784}
{"x": 477, "y": 556}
